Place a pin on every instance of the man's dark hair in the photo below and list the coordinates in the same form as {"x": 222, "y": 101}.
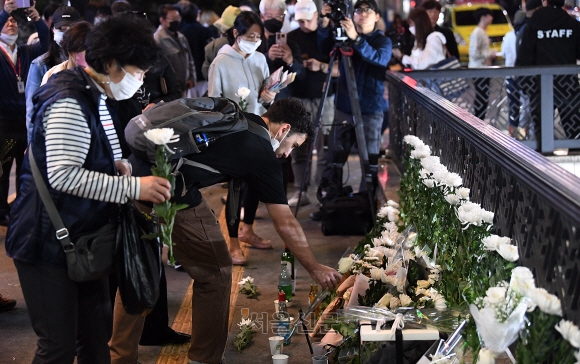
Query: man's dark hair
{"x": 431, "y": 4}
{"x": 244, "y": 21}
{"x": 74, "y": 39}
{"x": 49, "y": 10}
{"x": 136, "y": 47}
{"x": 120, "y": 6}
{"x": 291, "y": 111}
{"x": 189, "y": 11}
{"x": 164, "y": 9}
{"x": 477, "y": 14}
{"x": 558, "y": 3}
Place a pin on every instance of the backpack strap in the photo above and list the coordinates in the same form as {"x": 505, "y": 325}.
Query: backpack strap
{"x": 259, "y": 130}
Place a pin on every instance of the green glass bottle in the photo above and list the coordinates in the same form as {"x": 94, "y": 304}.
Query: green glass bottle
{"x": 287, "y": 256}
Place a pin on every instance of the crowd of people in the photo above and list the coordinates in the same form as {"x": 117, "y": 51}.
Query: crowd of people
{"x": 71, "y": 90}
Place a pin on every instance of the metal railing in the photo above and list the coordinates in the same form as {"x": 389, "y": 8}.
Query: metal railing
{"x": 536, "y": 202}
{"x": 539, "y": 99}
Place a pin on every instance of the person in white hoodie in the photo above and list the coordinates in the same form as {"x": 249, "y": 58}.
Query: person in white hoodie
{"x": 239, "y": 65}
{"x": 429, "y": 45}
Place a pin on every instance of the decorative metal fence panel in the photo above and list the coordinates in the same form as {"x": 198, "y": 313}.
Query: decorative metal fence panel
{"x": 541, "y": 103}
{"x": 536, "y": 202}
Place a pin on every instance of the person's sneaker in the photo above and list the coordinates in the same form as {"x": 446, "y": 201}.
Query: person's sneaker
{"x": 6, "y": 304}
{"x": 316, "y": 215}
{"x": 293, "y": 201}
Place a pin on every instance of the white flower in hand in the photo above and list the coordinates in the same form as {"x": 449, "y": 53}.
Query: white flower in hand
{"x": 159, "y": 136}
{"x": 569, "y": 332}
{"x": 243, "y": 93}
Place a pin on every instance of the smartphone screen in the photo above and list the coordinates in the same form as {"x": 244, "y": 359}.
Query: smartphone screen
{"x": 23, "y": 3}
{"x": 280, "y": 38}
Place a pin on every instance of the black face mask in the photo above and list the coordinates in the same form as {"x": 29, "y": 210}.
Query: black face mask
{"x": 174, "y": 25}
{"x": 273, "y": 25}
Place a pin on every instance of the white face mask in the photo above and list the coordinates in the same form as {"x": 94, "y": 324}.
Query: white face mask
{"x": 248, "y": 47}
{"x": 8, "y": 39}
{"x": 275, "y": 143}
{"x": 412, "y": 30}
{"x": 126, "y": 88}
{"x": 58, "y": 34}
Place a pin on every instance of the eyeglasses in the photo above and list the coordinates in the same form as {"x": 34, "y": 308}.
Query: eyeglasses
{"x": 270, "y": 16}
{"x": 363, "y": 10}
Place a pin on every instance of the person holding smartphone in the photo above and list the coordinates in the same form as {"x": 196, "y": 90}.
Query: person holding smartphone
{"x": 15, "y": 62}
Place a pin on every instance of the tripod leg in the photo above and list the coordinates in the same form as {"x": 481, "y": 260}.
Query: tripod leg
{"x": 359, "y": 129}
{"x": 317, "y": 125}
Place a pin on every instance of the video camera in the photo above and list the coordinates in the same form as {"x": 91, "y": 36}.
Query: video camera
{"x": 340, "y": 11}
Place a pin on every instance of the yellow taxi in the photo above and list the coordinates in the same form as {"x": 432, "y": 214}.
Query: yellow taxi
{"x": 460, "y": 19}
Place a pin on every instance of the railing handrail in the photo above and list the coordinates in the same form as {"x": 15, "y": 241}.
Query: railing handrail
{"x": 538, "y": 173}
{"x": 496, "y": 71}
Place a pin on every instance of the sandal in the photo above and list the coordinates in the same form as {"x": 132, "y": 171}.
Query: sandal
{"x": 238, "y": 258}
{"x": 255, "y": 241}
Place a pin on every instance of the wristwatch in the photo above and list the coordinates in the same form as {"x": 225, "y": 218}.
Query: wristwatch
{"x": 358, "y": 40}
{"x": 323, "y": 67}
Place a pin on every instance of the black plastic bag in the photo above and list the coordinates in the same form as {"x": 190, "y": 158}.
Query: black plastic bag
{"x": 137, "y": 260}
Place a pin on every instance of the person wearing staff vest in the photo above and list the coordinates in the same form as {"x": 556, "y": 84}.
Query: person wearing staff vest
{"x": 14, "y": 64}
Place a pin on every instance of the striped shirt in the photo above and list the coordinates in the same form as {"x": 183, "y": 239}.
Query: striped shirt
{"x": 67, "y": 144}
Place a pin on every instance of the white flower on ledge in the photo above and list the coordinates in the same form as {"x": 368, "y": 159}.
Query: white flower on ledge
{"x": 546, "y": 302}
{"x": 569, "y": 332}
{"x": 452, "y": 199}
{"x": 522, "y": 281}
{"x": 246, "y": 322}
{"x": 493, "y": 242}
{"x": 508, "y": 252}
{"x": 421, "y": 152}
{"x": 463, "y": 193}
{"x": 413, "y": 141}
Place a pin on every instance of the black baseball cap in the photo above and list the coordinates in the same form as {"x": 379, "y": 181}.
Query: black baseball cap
{"x": 65, "y": 15}
{"x": 371, "y": 3}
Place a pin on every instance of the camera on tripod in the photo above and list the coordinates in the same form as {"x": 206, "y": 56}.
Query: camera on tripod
{"x": 340, "y": 11}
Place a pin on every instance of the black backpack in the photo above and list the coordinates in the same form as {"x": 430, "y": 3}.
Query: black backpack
{"x": 193, "y": 120}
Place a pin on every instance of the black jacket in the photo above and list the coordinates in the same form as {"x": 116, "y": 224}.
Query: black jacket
{"x": 552, "y": 37}
{"x": 450, "y": 41}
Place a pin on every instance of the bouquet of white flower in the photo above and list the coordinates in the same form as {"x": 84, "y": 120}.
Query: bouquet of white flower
{"x": 244, "y": 337}
{"x": 248, "y": 287}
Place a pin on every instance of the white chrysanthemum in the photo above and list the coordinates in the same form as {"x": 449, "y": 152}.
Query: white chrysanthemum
{"x": 429, "y": 182}
{"x": 247, "y": 279}
{"x": 423, "y": 284}
{"x": 432, "y": 164}
{"x": 495, "y": 295}
{"x": 508, "y": 252}
{"x": 246, "y": 322}
{"x": 159, "y": 136}
{"x": 453, "y": 180}
{"x": 394, "y": 303}
{"x": 452, "y": 199}
{"x": 546, "y": 302}
{"x": 485, "y": 357}
{"x": 438, "y": 300}
{"x": 413, "y": 141}
{"x": 522, "y": 281}
{"x": 392, "y": 203}
{"x": 421, "y": 152}
{"x": 344, "y": 264}
{"x": 493, "y": 242}
{"x": 463, "y": 193}
{"x": 421, "y": 291}
{"x": 243, "y": 93}
{"x": 378, "y": 274}
{"x": 487, "y": 216}
{"x": 384, "y": 301}
{"x": 405, "y": 300}
{"x": 470, "y": 213}
{"x": 569, "y": 332}
{"x": 423, "y": 173}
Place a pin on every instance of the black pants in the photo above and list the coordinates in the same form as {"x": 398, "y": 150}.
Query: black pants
{"x": 16, "y": 154}
{"x": 69, "y": 318}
